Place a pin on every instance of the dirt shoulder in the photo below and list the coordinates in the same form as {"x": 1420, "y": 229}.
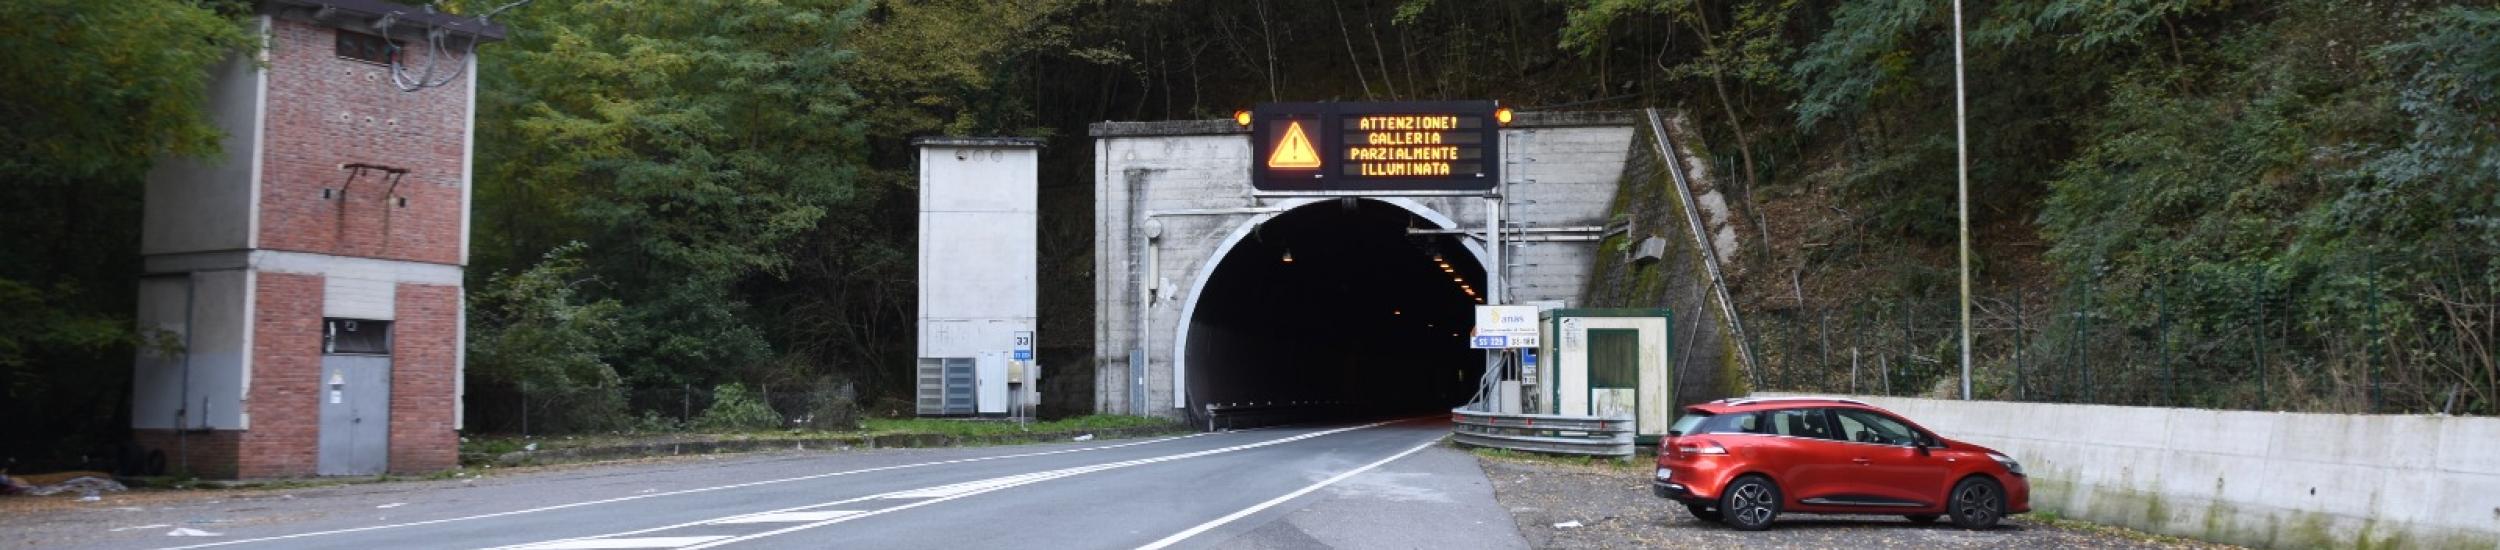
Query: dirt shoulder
{"x": 1613, "y": 508}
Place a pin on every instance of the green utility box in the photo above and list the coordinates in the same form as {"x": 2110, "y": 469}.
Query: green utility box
{"x": 1606, "y": 362}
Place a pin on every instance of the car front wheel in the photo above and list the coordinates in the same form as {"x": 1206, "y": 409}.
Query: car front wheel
{"x": 1750, "y": 503}
{"x": 1978, "y": 503}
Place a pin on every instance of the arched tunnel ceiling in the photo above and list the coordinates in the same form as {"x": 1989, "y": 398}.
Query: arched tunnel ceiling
{"x": 1362, "y": 313}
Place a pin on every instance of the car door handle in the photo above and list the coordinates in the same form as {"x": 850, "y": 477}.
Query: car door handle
{"x": 1862, "y": 461}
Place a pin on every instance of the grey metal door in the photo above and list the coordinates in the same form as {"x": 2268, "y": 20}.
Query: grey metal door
{"x": 959, "y": 386}
{"x": 355, "y": 415}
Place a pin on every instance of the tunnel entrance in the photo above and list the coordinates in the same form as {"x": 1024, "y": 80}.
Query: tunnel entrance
{"x": 1334, "y": 303}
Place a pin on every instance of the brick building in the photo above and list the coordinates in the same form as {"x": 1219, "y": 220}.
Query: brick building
{"x": 312, "y": 275}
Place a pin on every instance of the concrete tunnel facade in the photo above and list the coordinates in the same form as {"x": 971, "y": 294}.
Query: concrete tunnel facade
{"x": 1194, "y": 304}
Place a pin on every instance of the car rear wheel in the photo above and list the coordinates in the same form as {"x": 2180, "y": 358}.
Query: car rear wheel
{"x": 1750, "y": 503}
{"x": 1701, "y": 511}
{"x": 1978, "y": 503}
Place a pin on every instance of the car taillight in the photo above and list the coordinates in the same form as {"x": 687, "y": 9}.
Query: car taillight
{"x": 1704, "y": 447}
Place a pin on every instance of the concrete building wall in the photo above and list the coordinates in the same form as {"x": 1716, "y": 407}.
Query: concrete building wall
{"x": 2262, "y": 479}
{"x": 978, "y": 253}
{"x": 216, "y": 305}
{"x": 1189, "y": 182}
{"x": 204, "y": 204}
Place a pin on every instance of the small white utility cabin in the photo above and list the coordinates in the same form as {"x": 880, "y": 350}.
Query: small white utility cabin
{"x": 977, "y": 276}
{"x": 1606, "y": 362}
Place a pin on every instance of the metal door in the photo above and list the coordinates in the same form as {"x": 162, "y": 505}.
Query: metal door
{"x": 355, "y": 415}
{"x": 960, "y": 386}
{"x": 1614, "y": 363}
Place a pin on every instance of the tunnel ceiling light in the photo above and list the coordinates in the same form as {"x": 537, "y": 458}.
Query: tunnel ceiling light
{"x": 1436, "y": 258}
{"x": 1396, "y": 312}
{"x": 1288, "y": 256}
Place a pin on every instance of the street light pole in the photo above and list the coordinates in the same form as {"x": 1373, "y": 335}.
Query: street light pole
{"x": 1961, "y": 145}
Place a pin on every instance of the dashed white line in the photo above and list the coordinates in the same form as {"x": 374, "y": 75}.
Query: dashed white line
{"x": 673, "y": 493}
{"x": 787, "y": 517}
{"x": 651, "y": 542}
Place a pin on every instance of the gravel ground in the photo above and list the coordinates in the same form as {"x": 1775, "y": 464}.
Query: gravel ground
{"x": 1615, "y": 510}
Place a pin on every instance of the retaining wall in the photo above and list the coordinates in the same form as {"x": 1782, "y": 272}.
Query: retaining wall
{"x": 2261, "y": 479}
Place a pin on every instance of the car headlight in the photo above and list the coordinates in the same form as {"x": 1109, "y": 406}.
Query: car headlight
{"x": 2008, "y": 462}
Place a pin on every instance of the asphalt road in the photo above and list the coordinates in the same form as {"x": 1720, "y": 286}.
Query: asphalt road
{"x": 1367, "y": 486}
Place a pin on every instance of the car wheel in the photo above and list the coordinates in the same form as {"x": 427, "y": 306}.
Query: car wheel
{"x": 1701, "y": 511}
{"x": 1977, "y": 503}
{"x": 1921, "y": 518}
{"x": 1750, "y": 503}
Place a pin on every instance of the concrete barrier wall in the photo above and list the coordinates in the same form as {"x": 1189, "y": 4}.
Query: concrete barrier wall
{"x": 2272, "y": 480}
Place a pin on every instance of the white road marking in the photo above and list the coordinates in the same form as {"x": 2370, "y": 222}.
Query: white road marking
{"x": 678, "y": 492}
{"x": 1245, "y": 512}
{"x": 954, "y": 491}
{"x": 652, "y": 542}
{"x": 788, "y": 517}
{"x": 1040, "y": 477}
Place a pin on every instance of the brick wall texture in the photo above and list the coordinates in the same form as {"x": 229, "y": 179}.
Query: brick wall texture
{"x": 208, "y": 454}
{"x": 424, "y": 387}
{"x": 284, "y": 396}
{"x": 325, "y": 111}
{"x": 322, "y": 112}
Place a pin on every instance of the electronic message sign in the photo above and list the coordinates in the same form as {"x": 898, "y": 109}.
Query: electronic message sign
{"x": 1376, "y": 146}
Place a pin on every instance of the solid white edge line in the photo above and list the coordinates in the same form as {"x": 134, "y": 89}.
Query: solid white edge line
{"x": 674, "y": 493}
{"x": 1245, "y": 512}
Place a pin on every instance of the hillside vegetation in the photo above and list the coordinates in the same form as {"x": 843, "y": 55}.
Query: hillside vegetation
{"x": 2238, "y": 204}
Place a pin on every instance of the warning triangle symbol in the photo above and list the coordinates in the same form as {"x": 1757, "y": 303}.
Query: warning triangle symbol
{"x": 1294, "y": 151}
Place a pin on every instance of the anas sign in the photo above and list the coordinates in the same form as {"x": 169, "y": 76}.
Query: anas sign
{"x": 1376, "y": 146}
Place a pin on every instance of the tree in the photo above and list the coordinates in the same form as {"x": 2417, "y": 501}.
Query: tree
{"x": 692, "y": 145}
{"x": 100, "y": 92}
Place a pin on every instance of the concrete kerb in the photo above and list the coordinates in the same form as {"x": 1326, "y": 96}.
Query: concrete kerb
{"x": 2261, "y": 479}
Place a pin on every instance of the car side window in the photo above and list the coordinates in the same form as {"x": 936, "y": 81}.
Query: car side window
{"x": 1729, "y": 423}
{"x": 1867, "y": 427}
{"x": 1800, "y": 423}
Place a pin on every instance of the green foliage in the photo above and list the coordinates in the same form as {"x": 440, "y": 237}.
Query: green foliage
{"x": 106, "y": 86}
{"x": 692, "y": 145}
{"x": 100, "y": 92}
{"x": 537, "y": 331}
{"x": 733, "y": 409}
{"x": 963, "y": 428}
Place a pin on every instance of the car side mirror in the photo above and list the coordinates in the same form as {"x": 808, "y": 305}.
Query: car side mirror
{"x": 1921, "y": 445}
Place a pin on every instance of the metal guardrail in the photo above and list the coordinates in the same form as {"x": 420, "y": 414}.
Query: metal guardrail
{"x": 1544, "y": 433}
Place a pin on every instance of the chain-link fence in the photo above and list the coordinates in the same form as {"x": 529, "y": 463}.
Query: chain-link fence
{"x": 2176, "y": 343}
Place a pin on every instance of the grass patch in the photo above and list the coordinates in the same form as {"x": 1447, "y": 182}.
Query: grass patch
{"x": 2052, "y": 519}
{"x": 1576, "y": 461}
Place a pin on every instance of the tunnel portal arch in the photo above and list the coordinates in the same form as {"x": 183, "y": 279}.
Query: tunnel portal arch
{"x": 1244, "y": 229}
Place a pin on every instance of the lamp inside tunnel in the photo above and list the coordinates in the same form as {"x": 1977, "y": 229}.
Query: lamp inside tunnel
{"x": 1337, "y": 305}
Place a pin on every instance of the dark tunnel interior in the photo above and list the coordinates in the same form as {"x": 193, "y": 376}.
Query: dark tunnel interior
{"x": 1334, "y": 302}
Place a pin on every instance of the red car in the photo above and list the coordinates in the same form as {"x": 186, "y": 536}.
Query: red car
{"x": 1746, "y": 461}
